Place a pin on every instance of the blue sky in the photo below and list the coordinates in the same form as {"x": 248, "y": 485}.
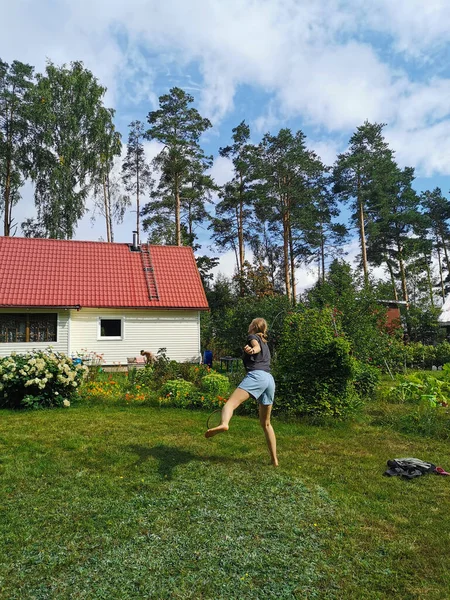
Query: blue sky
{"x": 323, "y": 67}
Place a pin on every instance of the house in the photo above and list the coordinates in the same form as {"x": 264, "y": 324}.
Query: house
{"x": 444, "y": 317}
{"x": 393, "y": 316}
{"x": 113, "y": 299}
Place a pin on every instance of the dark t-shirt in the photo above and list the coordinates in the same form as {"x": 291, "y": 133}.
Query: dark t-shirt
{"x": 260, "y": 361}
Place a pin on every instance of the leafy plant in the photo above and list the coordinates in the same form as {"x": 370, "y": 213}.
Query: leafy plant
{"x": 314, "y": 368}
{"x": 366, "y": 379}
{"x": 215, "y": 384}
{"x": 177, "y": 392}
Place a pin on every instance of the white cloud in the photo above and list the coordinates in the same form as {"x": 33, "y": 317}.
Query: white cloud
{"x": 313, "y": 60}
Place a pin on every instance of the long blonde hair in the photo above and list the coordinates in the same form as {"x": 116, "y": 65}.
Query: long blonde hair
{"x": 259, "y": 327}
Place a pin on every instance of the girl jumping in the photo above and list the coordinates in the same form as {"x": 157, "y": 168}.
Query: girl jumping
{"x": 258, "y": 383}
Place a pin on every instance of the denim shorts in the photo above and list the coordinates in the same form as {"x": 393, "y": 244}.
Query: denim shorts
{"x": 260, "y": 385}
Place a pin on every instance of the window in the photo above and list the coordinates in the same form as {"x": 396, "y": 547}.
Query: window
{"x": 28, "y": 328}
{"x": 111, "y": 329}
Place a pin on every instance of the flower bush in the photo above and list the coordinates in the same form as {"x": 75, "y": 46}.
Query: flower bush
{"x": 42, "y": 378}
{"x": 177, "y": 392}
{"x": 215, "y": 384}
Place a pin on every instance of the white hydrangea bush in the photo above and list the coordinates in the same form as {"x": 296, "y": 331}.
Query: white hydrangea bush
{"x": 40, "y": 378}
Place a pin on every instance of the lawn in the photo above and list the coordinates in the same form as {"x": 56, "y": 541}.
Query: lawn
{"x": 133, "y": 502}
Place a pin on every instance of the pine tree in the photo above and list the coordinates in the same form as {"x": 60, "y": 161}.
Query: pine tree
{"x": 356, "y": 174}
{"x": 16, "y": 84}
{"x": 182, "y": 163}
{"x": 136, "y": 173}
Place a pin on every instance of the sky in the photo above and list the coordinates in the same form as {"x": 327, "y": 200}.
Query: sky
{"x": 322, "y": 66}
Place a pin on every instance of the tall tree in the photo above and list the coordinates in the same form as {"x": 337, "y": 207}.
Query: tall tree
{"x": 69, "y": 116}
{"x": 182, "y": 162}
{"x": 16, "y": 83}
{"x": 234, "y": 211}
{"x": 437, "y": 209}
{"x": 324, "y": 236}
{"x": 394, "y": 222}
{"x": 136, "y": 173}
{"x": 356, "y": 173}
{"x": 286, "y": 172}
{"x": 109, "y": 198}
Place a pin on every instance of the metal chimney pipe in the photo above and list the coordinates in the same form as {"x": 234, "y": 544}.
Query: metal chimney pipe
{"x": 135, "y": 247}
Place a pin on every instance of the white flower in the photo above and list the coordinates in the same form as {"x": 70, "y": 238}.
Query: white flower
{"x": 66, "y": 403}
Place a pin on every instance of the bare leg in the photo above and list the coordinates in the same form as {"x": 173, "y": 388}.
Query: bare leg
{"x": 264, "y": 419}
{"x": 237, "y": 397}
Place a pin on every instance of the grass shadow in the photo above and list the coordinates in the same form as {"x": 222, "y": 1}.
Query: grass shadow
{"x": 170, "y": 457}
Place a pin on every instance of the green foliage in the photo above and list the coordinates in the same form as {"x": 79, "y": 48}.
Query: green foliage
{"x": 164, "y": 368}
{"x": 177, "y": 392}
{"x": 314, "y": 368}
{"x": 184, "y": 184}
{"x": 141, "y": 376}
{"x": 195, "y": 373}
{"x": 442, "y": 353}
{"x": 362, "y": 317}
{"x": 366, "y": 379}
{"x": 228, "y": 328}
{"x": 69, "y": 118}
{"x": 421, "y": 388}
{"x": 38, "y": 379}
{"x": 16, "y": 83}
{"x": 215, "y": 384}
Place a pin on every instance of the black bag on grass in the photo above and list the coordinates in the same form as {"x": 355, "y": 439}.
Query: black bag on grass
{"x": 408, "y": 467}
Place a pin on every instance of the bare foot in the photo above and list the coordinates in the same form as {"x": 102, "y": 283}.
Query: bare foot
{"x": 275, "y": 463}
{"x": 215, "y": 430}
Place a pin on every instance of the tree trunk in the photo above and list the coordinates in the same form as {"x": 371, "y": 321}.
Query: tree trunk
{"x": 322, "y": 252}
{"x": 177, "y": 213}
{"x": 292, "y": 265}
{"x": 286, "y": 256}
{"x": 430, "y": 285}
{"x": 444, "y": 246}
{"x": 391, "y": 273}
{"x": 402, "y": 274}
{"x": 138, "y": 236}
{"x": 6, "y": 197}
{"x": 241, "y": 227}
{"x": 362, "y": 233}
{"x": 107, "y": 209}
{"x": 440, "y": 272}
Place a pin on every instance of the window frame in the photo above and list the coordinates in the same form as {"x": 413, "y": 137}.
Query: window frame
{"x": 116, "y": 338}
{"x": 26, "y": 317}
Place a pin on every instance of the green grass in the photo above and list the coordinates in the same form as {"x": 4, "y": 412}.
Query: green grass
{"x": 121, "y": 503}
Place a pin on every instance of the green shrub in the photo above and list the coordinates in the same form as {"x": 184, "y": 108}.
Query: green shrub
{"x": 195, "y": 373}
{"x": 442, "y": 353}
{"x": 420, "y": 356}
{"x": 420, "y": 388}
{"x": 164, "y": 369}
{"x": 143, "y": 376}
{"x": 314, "y": 368}
{"x": 177, "y": 392}
{"x": 38, "y": 379}
{"x": 215, "y": 384}
{"x": 366, "y": 379}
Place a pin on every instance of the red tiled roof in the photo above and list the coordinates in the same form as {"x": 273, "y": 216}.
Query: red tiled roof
{"x": 60, "y": 273}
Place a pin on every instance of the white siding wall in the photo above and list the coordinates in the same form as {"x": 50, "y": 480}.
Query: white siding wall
{"x": 62, "y": 336}
{"x": 178, "y": 331}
